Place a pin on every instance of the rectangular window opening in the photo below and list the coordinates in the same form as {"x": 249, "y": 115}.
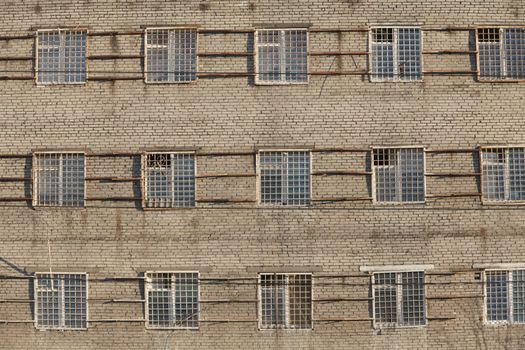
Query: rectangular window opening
{"x": 501, "y": 53}
{"x": 61, "y": 301}
{"x": 282, "y": 56}
{"x": 171, "y": 55}
{"x": 284, "y": 177}
{"x": 285, "y": 301}
{"x": 505, "y": 296}
{"x": 61, "y": 56}
{"x": 173, "y": 300}
{"x": 503, "y": 174}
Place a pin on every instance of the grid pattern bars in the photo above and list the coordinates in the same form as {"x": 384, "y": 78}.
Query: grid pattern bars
{"x": 396, "y": 54}
{"x": 285, "y": 177}
{"x": 61, "y": 301}
{"x": 61, "y": 56}
{"x": 501, "y": 53}
{"x": 170, "y": 180}
{"x": 59, "y": 179}
{"x": 173, "y": 300}
{"x": 282, "y": 56}
{"x": 171, "y": 55}
{"x": 399, "y": 299}
{"x": 505, "y": 296}
{"x": 399, "y": 174}
{"x": 503, "y": 174}
{"x": 285, "y": 301}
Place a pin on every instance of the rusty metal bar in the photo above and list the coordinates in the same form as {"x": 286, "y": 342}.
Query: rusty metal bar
{"x": 342, "y": 53}
{"x": 116, "y": 199}
{"x": 341, "y": 172}
{"x": 437, "y": 72}
{"x": 453, "y": 174}
{"x": 472, "y": 194}
{"x": 223, "y": 200}
{"x": 451, "y": 52}
{"x": 16, "y": 78}
{"x": 17, "y": 37}
{"x": 104, "y": 178}
{"x": 114, "y": 57}
{"x": 224, "y": 175}
{"x": 342, "y": 150}
{"x": 16, "y": 58}
{"x": 15, "y": 199}
{"x": 342, "y": 199}
{"x": 113, "y": 78}
{"x": 14, "y": 179}
{"x": 233, "y": 54}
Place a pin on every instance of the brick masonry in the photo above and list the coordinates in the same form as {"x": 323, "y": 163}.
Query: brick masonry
{"x": 118, "y": 239}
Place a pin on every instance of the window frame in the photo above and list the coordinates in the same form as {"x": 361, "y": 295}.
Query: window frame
{"x": 399, "y": 298}
{"x": 37, "y": 58}
{"x": 286, "y": 326}
{"x": 506, "y": 176}
{"x": 281, "y": 81}
{"x": 398, "y": 181}
{"x": 260, "y": 203}
{"x": 35, "y": 188}
{"x": 62, "y": 310}
{"x": 395, "y": 53}
{"x": 503, "y": 69}
{"x": 510, "y": 297}
{"x": 169, "y": 28}
{"x": 144, "y": 179}
{"x": 147, "y": 289}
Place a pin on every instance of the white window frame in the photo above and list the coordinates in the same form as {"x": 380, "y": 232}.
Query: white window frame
{"x": 506, "y": 176}
{"x": 398, "y": 178}
{"x": 62, "y": 306}
{"x": 259, "y": 177}
{"x": 144, "y": 186}
{"x": 282, "y": 64}
{"x": 37, "y": 58}
{"x": 399, "y": 294}
{"x": 502, "y": 52}
{"x": 146, "y": 46}
{"x": 510, "y": 298}
{"x": 287, "y": 326}
{"x": 147, "y": 289}
{"x": 35, "y": 170}
{"x": 395, "y": 53}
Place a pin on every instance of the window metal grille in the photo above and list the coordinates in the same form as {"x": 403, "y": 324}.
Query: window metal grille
{"x": 399, "y": 299}
{"x": 282, "y": 56}
{"x": 59, "y": 179}
{"x": 171, "y": 55}
{"x": 399, "y": 174}
{"x": 285, "y": 301}
{"x": 285, "y": 177}
{"x": 172, "y": 300}
{"x": 170, "y": 180}
{"x": 505, "y": 296}
{"x": 61, "y": 56}
{"x": 501, "y": 53}
{"x": 395, "y": 54}
{"x": 503, "y": 174}
{"x": 61, "y": 301}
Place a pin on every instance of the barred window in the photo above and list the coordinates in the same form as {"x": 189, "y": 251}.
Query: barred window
{"x": 399, "y": 174}
{"x": 501, "y": 53}
{"x": 172, "y": 300}
{"x": 285, "y": 177}
{"x": 59, "y": 179}
{"x": 171, "y": 55}
{"x": 61, "y": 56}
{"x": 395, "y": 54}
{"x": 61, "y": 301}
{"x": 169, "y": 180}
{"x": 285, "y": 301}
{"x": 503, "y": 174}
{"x": 282, "y": 56}
{"x": 399, "y": 299}
{"x": 505, "y": 296}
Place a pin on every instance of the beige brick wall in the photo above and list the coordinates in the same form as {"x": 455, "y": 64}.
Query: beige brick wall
{"x": 111, "y": 239}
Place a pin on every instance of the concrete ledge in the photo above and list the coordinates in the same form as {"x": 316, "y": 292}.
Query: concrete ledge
{"x": 396, "y": 268}
{"x": 284, "y": 269}
{"x": 503, "y": 266}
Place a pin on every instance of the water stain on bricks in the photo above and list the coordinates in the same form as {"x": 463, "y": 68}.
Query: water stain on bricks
{"x": 114, "y": 43}
{"x": 252, "y": 5}
{"x": 204, "y": 6}
{"x": 37, "y": 8}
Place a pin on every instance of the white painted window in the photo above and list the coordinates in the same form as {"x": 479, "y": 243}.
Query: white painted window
{"x": 284, "y": 177}
{"x": 169, "y": 180}
{"x": 61, "y": 301}
{"x": 282, "y": 56}
{"x": 61, "y": 56}
{"x": 395, "y": 54}
{"x": 505, "y": 296}
{"x": 399, "y": 174}
{"x": 285, "y": 301}
{"x": 399, "y": 299}
{"x": 503, "y": 174}
{"x": 172, "y": 300}
{"x": 171, "y": 55}
{"x": 501, "y": 53}
{"x": 59, "y": 179}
